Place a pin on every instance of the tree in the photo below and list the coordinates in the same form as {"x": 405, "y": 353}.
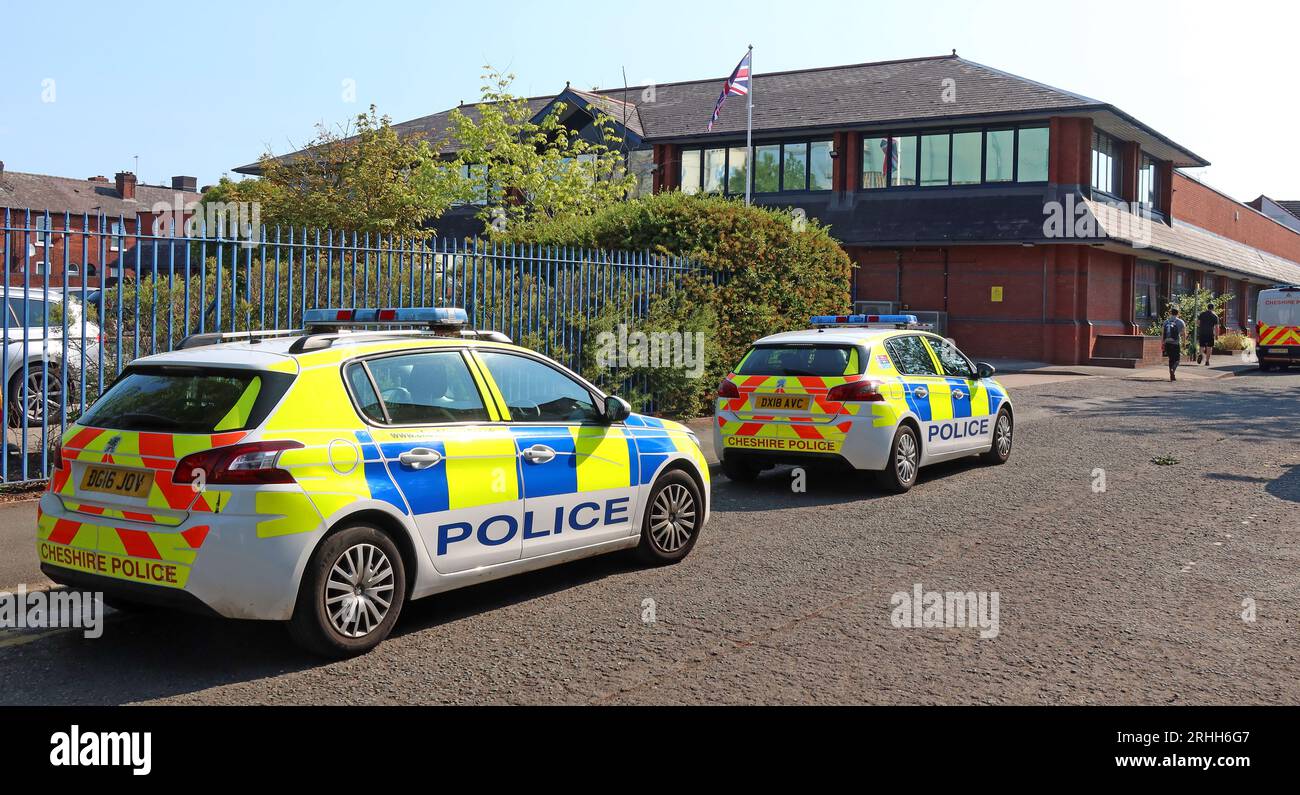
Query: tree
{"x": 525, "y": 172}
{"x": 362, "y": 178}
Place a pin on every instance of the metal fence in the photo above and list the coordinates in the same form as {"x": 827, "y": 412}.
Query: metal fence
{"x": 84, "y": 296}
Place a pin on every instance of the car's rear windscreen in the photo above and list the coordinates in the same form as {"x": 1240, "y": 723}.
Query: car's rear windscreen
{"x": 188, "y": 400}
{"x": 800, "y": 360}
{"x": 1280, "y": 308}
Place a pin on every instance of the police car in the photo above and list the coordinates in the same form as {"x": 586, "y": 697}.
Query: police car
{"x": 324, "y": 476}
{"x": 870, "y": 392}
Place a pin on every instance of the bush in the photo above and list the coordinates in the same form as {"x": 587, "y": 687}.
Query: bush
{"x": 774, "y": 268}
{"x": 1231, "y": 342}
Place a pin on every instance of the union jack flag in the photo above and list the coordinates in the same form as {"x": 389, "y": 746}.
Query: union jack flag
{"x": 737, "y": 84}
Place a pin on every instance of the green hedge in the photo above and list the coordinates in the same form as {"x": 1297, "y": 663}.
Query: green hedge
{"x": 777, "y": 269}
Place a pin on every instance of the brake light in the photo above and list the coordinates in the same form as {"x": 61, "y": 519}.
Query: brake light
{"x": 866, "y": 391}
{"x": 238, "y": 464}
{"x": 727, "y": 389}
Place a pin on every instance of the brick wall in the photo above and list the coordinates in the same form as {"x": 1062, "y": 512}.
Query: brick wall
{"x": 1204, "y": 207}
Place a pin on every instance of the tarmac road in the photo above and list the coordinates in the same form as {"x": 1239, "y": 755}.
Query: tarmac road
{"x": 1131, "y": 594}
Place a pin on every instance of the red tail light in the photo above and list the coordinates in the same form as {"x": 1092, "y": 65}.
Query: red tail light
{"x": 238, "y": 464}
{"x": 867, "y": 391}
{"x": 726, "y": 389}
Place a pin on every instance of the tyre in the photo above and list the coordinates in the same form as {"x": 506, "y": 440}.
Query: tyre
{"x": 1003, "y": 428}
{"x": 1265, "y": 367}
{"x": 43, "y": 397}
{"x": 740, "y": 470}
{"x": 351, "y": 593}
{"x": 904, "y": 463}
{"x": 671, "y": 523}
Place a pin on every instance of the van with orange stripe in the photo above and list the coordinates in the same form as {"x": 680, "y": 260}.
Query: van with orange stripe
{"x": 1277, "y": 327}
{"x": 868, "y": 392}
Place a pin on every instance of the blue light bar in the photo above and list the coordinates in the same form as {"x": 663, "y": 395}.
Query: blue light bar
{"x": 400, "y": 316}
{"x": 862, "y": 320}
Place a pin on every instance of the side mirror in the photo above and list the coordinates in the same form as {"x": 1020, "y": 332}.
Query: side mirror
{"x": 616, "y": 409}
{"x": 984, "y": 370}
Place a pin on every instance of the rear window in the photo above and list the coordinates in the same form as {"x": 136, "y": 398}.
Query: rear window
{"x": 188, "y": 400}
{"x": 808, "y": 360}
{"x": 1281, "y": 308}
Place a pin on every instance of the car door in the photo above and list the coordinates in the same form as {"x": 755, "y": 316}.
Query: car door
{"x": 456, "y": 468}
{"x": 928, "y": 394}
{"x": 970, "y": 397}
{"x": 578, "y": 473}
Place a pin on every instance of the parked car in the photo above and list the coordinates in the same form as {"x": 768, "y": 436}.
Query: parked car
{"x": 35, "y": 352}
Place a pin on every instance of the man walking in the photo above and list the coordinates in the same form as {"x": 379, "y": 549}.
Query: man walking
{"x": 1175, "y": 331}
{"x": 1206, "y": 324}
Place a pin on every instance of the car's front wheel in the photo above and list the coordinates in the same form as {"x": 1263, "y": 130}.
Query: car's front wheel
{"x": 351, "y": 595}
{"x": 672, "y": 520}
{"x": 1003, "y": 427}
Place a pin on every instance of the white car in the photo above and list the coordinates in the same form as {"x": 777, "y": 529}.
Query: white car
{"x": 35, "y": 353}
{"x": 866, "y": 392}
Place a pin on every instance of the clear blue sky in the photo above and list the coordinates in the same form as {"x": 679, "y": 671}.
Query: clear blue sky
{"x": 200, "y": 89}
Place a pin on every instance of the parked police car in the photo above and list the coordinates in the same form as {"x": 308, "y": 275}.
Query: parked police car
{"x": 871, "y": 392}
{"x": 325, "y": 476}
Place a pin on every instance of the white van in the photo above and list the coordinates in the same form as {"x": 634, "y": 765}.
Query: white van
{"x": 1278, "y": 327}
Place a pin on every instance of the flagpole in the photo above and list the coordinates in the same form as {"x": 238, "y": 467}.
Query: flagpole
{"x": 749, "y": 130}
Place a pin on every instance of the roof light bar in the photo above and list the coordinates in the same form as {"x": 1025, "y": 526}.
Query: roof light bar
{"x": 849, "y": 321}
{"x": 433, "y": 316}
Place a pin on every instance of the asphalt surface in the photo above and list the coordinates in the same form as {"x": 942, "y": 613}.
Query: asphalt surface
{"x": 1133, "y": 594}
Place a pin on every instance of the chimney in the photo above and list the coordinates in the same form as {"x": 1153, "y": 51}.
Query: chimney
{"x": 126, "y": 185}
{"x": 2, "y": 169}
{"x": 187, "y": 184}
{"x": 100, "y": 178}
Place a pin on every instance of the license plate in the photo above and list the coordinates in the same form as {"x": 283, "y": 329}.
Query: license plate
{"x": 122, "y": 482}
{"x": 782, "y": 402}
{"x": 1277, "y": 350}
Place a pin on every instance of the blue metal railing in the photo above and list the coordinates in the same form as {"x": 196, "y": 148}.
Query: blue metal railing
{"x": 83, "y": 297}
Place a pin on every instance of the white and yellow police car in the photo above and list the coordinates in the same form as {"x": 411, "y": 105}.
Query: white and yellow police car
{"x": 325, "y": 476}
{"x": 870, "y": 392}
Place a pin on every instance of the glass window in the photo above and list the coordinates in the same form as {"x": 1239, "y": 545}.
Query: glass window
{"x": 953, "y": 361}
{"x": 966, "y": 157}
{"x": 902, "y": 162}
{"x": 427, "y": 388}
{"x": 715, "y": 169}
{"x": 910, "y": 356}
{"x": 1105, "y": 163}
{"x": 819, "y": 165}
{"x": 934, "y": 159}
{"x": 197, "y": 401}
{"x": 874, "y": 151}
{"x": 42, "y": 227}
{"x": 736, "y": 171}
{"x": 364, "y": 393}
{"x": 999, "y": 146}
{"x": 641, "y": 164}
{"x": 767, "y": 168}
{"x": 691, "y": 171}
{"x": 798, "y": 360}
{"x": 1148, "y": 192}
{"x": 1031, "y": 155}
{"x": 1147, "y": 291}
{"x": 36, "y": 310}
{"x": 537, "y": 392}
{"x": 794, "y": 171}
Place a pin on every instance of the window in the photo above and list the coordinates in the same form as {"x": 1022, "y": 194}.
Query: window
{"x": 73, "y": 269}
{"x": 476, "y": 175}
{"x": 967, "y": 157}
{"x": 42, "y": 230}
{"x": 363, "y": 391}
{"x": 1148, "y": 192}
{"x": 934, "y": 159}
{"x": 800, "y": 360}
{"x": 691, "y": 171}
{"x": 999, "y": 151}
{"x": 767, "y": 168}
{"x": 421, "y": 388}
{"x": 29, "y": 311}
{"x": 910, "y": 356}
{"x": 794, "y": 170}
{"x": 116, "y": 230}
{"x": 819, "y": 165}
{"x": 1105, "y": 163}
{"x": 902, "y": 161}
{"x": 158, "y": 399}
{"x": 1146, "y": 297}
{"x": 953, "y": 361}
{"x": 1031, "y": 154}
{"x": 715, "y": 169}
{"x": 641, "y": 165}
{"x": 537, "y": 392}
{"x": 736, "y": 170}
{"x": 874, "y": 152}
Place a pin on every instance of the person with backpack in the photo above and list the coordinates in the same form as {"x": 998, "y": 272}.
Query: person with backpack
{"x": 1175, "y": 330}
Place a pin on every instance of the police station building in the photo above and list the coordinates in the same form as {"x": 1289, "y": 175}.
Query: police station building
{"x": 1029, "y": 222}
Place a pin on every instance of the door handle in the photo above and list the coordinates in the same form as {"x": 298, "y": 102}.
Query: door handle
{"x": 538, "y": 454}
{"x": 420, "y": 458}
{"x": 958, "y": 394}
{"x": 920, "y": 391}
